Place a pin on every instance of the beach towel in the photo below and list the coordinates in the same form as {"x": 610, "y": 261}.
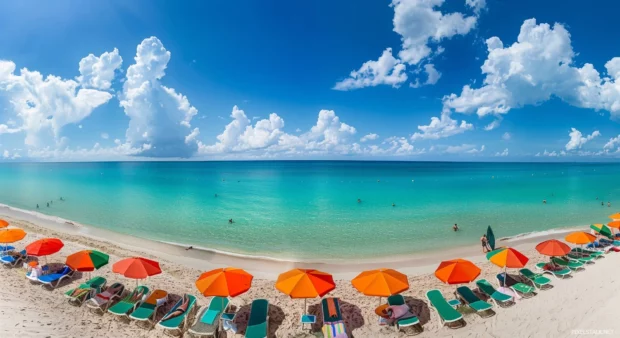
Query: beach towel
{"x": 334, "y": 330}
{"x": 398, "y": 311}
{"x": 331, "y": 308}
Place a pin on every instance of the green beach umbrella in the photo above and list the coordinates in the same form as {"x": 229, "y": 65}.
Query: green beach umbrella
{"x": 87, "y": 260}
{"x": 601, "y": 229}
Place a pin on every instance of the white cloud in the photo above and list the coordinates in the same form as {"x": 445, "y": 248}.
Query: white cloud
{"x": 464, "y": 148}
{"x": 432, "y": 76}
{"x": 503, "y": 153}
{"x": 6, "y": 154}
{"x": 105, "y": 136}
{"x": 552, "y": 153}
{"x": 493, "y": 124}
{"x": 506, "y": 136}
{"x": 577, "y": 140}
{"x": 477, "y": 5}
{"x": 98, "y": 72}
{"x": 98, "y": 153}
{"x": 369, "y": 137}
{"x": 537, "y": 67}
{"x": 46, "y": 105}
{"x": 5, "y": 129}
{"x": 612, "y": 144}
{"x": 386, "y": 70}
{"x": 159, "y": 116}
{"x": 421, "y": 26}
{"x": 441, "y": 127}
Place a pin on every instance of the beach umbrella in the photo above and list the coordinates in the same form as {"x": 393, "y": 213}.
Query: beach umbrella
{"x": 507, "y": 258}
{"x": 580, "y": 237}
{"x": 615, "y": 216}
{"x": 305, "y": 283}
{"x": 136, "y": 268}
{"x": 44, "y": 247}
{"x": 614, "y": 224}
{"x": 602, "y": 229}
{"x": 457, "y": 271}
{"x": 10, "y": 236}
{"x": 553, "y": 248}
{"x": 87, "y": 260}
{"x": 380, "y": 283}
{"x": 3, "y": 223}
{"x": 224, "y": 282}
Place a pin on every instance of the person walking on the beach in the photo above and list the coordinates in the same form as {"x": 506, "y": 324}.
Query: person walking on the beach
{"x": 455, "y": 227}
{"x": 485, "y": 243}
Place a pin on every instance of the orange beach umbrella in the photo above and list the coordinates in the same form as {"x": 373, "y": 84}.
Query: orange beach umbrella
{"x": 614, "y": 224}
{"x": 136, "y": 268}
{"x": 615, "y": 216}
{"x": 457, "y": 271}
{"x": 580, "y": 237}
{"x": 11, "y": 235}
{"x": 224, "y": 282}
{"x": 553, "y": 248}
{"x": 380, "y": 282}
{"x": 305, "y": 283}
{"x": 507, "y": 258}
{"x": 3, "y": 223}
{"x": 44, "y": 247}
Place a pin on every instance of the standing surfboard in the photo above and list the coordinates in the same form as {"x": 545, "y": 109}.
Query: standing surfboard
{"x": 491, "y": 238}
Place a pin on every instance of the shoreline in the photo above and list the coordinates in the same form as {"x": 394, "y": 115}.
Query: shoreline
{"x": 262, "y": 266}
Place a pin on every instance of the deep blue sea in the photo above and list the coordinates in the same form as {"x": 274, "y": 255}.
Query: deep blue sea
{"x": 309, "y": 209}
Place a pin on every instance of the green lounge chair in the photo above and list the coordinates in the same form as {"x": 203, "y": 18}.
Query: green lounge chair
{"x": 404, "y": 322}
{"x": 258, "y": 323}
{"x": 470, "y": 299}
{"x": 176, "y": 319}
{"x": 101, "y": 301}
{"x": 562, "y": 273}
{"x": 588, "y": 253}
{"x": 526, "y": 291}
{"x": 573, "y": 265}
{"x": 130, "y": 302}
{"x": 147, "y": 310}
{"x": 86, "y": 290}
{"x": 207, "y": 321}
{"x": 447, "y": 314}
{"x": 538, "y": 280}
{"x": 500, "y": 299}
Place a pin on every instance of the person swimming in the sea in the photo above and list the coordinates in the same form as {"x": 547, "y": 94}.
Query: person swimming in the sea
{"x": 215, "y": 195}
{"x": 393, "y": 204}
{"x": 230, "y": 221}
{"x": 609, "y": 204}
{"x": 37, "y": 206}
{"x": 48, "y": 205}
{"x": 359, "y": 200}
{"x": 455, "y": 227}
{"x": 544, "y": 201}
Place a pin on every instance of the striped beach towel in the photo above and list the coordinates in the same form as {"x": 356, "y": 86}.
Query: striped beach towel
{"x": 334, "y": 330}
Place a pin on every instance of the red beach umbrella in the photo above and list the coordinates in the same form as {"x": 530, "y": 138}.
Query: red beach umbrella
{"x": 553, "y": 247}
{"x": 136, "y": 268}
{"x": 44, "y": 247}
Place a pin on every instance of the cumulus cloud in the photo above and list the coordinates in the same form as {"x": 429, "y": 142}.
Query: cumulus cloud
{"x": 577, "y": 140}
{"x": 160, "y": 118}
{"x": 44, "y": 105}
{"x": 386, "y": 70}
{"x": 506, "y": 136}
{"x": 369, "y": 137}
{"x": 503, "y": 153}
{"x": 105, "y": 136}
{"x": 612, "y": 144}
{"x": 551, "y": 154}
{"x": 422, "y": 27}
{"x": 5, "y": 129}
{"x": 464, "y": 148}
{"x": 537, "y": 67}
{"x": 443, "y": 126}
{"x": 432, "y": 76}
{"x": 98, "y": 72}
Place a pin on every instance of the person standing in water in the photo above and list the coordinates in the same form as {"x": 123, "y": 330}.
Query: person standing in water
{"x": 230, "y": 221}
{"x": 48, "y": 205}
{"x": 455, "y": 227}
{"x": 37, "y": 206}
{"x": 359, "y": 200}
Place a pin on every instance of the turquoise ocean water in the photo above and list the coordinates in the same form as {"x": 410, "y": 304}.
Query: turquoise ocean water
{"x": 309, "y": 210}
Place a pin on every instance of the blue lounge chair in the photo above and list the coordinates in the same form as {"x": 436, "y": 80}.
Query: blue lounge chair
{"x": 13, "y": 258}
{"x": 207, "y": 321}
{"x": 258, "y": 323}
{"x": 56, "y": 277}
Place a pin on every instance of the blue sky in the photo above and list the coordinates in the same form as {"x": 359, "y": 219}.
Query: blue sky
{"x": 207, "y": 80}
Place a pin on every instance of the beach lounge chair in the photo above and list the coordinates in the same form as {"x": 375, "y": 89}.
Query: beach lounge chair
{"x": 500, "y": 299}
{"x": 176, "y": 319}
{"x": 470, "y": 299}
{"x": 555, "y": 270}
{"x": 258, "y": 323}
{"x": 103, "y": 300}
{"x": 86, "y": 290}
{"x": 147, "y": 310}
{"x": 56, "y": 277}
{"x": 208, "y": 318}
{"x": 526, "y": 291}
{"x": 12, "y": 258}
{"x": 6, "y": 248}
{"x": 447, "y": 314}
{"x": 571, "y": 264}
{"x": 333, "y": 325}
{"x": 402, "y": 322}
{"x": 130, "y": 302}
{"x": 538, "y": 280}
{"x": 588, "y": 253}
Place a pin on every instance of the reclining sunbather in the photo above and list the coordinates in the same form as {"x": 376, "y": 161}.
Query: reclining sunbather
{"x": 179, "y": 310}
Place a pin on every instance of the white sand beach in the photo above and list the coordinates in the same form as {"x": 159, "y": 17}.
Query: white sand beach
{"x": 582, "y": 305}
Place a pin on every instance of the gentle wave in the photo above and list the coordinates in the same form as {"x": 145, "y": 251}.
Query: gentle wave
{"x": 42, "y": 216}
{"x": 536, "y": 234}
